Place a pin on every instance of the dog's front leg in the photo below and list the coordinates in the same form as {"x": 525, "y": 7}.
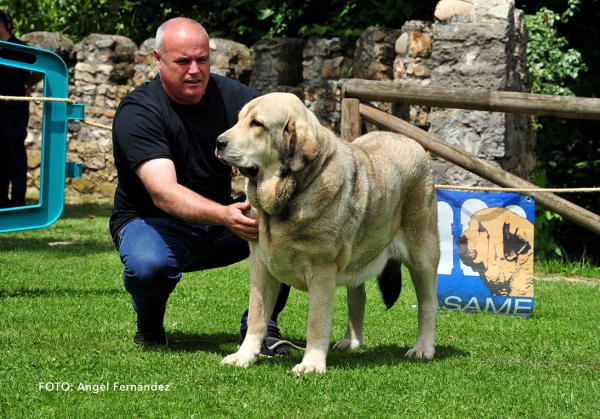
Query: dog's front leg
{"x": 263, "y": 293}
{"x": 321, "y": 295}
{"x": 356, "y": 299}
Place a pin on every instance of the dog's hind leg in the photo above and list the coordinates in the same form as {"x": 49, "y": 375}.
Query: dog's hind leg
{"x": 356, "y": 299}
{"x": 263, "y": 293}
{"x": 390, "y": 282}
{"x": 423, "y": 271}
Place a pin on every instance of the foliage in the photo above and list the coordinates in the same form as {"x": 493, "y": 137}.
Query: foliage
{"x": 566, "y": 157}
{"x": 77, "y": 19}
{"x": 245, "y": 21}
{"x": 545, "y": 246}
{"x": 549, "y": 65}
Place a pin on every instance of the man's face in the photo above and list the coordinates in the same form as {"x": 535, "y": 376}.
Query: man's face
{"x": 4, "y": 34}
{"x": 184, "y": 64}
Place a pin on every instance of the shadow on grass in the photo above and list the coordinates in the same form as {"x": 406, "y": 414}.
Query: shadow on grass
{"x": 386, "y": 355}
{"x": 221, "y": 343}
{"x": 57, "y": 292}
{"x": 78, "y": 247}
{"x": 87, "y": 210}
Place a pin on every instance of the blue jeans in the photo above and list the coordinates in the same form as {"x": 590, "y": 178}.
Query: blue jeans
{"x": 156, "y": 251}
{"x": 13, "y": 156}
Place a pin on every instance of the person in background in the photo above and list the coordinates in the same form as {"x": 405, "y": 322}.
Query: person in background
{"x": 14, "y": 117}
{"x": 173, "y": 211}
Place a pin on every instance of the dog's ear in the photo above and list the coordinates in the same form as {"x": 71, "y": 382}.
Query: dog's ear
{"x": 302, "y": 143}
{"x": 515, "y": 243}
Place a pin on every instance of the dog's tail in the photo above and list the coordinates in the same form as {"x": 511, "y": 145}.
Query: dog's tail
{"x": 390, "y": 282}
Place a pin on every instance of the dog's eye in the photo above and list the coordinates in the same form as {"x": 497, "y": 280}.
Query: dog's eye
{"x": 255, "y": 123}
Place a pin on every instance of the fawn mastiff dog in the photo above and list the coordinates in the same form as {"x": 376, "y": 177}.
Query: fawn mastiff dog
{"x": 332, "y": 213}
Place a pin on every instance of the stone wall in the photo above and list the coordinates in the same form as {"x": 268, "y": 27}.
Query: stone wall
{"x": 471, "y": 43}
{"x": 463, "y": 58}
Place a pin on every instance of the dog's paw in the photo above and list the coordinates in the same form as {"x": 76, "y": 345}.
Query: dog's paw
{"x": 304, "y": 368}
{"x": 345, "y": 344}
{"x": 421, "y": 352}
{"x": 239, "y": 359}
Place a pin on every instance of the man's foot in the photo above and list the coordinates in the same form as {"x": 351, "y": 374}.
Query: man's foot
{"x": 150, "y": 318}
{"x": 273, "y": 337}
{"x": 150, "y": 330}
{"x": 156, "y": 338}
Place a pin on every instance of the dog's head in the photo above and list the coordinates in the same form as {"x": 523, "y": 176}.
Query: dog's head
{"x": 498, "y": 246}
{"x": 274, "y": 132}
{"x": 275, "y": 137}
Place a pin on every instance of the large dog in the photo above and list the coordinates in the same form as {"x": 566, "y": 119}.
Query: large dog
{"x": 499, "y": 246}
{"x": 332, "y": 213}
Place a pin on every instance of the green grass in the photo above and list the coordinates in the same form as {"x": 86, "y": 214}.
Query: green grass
{"x": 582, "y": 268}
{"x": 65, "y": 317}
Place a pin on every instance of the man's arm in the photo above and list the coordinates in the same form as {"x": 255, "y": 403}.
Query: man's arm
{"x": 160, "y": 179}
{"x": 34, "y": 79}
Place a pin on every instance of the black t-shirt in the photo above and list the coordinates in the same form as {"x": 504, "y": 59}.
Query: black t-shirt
{"x": 14, "y": 115}
{"x": 149, "y": 125}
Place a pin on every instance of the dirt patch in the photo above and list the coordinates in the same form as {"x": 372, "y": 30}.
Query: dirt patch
{"x": 581, "y": 279}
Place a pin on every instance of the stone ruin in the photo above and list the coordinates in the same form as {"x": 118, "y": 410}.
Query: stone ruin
{"x": 462, "y": 57}
{"x": 477, "y": 44}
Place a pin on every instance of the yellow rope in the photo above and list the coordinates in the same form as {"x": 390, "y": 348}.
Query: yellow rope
{"x": 456, "y": 188}
{"x": 35, "y": 99}
{"x": 95, "y": 124}
{"x": 53, "y": 99}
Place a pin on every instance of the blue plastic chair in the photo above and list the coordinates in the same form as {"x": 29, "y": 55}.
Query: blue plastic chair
{"x": 54, "y": 167}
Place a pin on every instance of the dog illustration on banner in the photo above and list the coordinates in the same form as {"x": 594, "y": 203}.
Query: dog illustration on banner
{"x": 498, "y": 245}
{"x": 486, "y": 252}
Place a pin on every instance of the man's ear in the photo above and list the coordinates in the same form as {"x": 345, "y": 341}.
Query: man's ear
{"x": 157, "y": 59}
{"x": 302, "y": 144}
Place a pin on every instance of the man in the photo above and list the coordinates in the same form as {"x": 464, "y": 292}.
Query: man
{"x": 14, "y": 117}
{"x": 173, "y": 210}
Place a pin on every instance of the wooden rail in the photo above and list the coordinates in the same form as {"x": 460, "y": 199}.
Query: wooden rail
{"x": 355, "y": 110}
{"x": 473, "y": 99}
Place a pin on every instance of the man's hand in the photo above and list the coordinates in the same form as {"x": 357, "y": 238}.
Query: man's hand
{"x": 239, "y": 224}
{"x": 160, "y": 180}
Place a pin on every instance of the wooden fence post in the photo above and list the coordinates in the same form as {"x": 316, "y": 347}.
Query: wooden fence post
{"x": 350, "y": 129}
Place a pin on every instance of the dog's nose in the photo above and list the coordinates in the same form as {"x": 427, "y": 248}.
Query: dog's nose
{"x": 221, "y": 143}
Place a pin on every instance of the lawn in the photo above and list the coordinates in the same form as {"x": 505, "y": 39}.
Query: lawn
{"x": 66, "y": 351}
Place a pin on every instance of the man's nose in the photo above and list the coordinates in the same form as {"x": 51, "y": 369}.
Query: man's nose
{"x": 194, "y": 67}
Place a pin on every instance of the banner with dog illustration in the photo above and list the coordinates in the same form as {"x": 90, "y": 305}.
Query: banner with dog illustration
{"x": 486, "y": 243}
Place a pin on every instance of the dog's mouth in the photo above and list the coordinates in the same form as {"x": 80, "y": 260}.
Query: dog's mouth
{"x": 250, "y": 172}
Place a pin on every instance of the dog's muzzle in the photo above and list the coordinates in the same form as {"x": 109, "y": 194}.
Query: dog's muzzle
{"x": 221, "y": 154}
{"x": 221, "y": 146}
